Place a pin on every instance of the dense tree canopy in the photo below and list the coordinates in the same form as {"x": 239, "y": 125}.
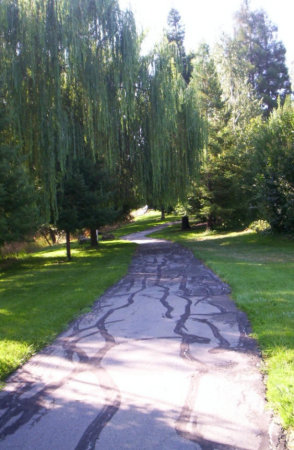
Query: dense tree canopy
{"x": 70, "y": 71}
{"x": 75, "y": 91}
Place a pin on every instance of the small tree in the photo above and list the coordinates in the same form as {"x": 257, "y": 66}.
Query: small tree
{"x": 86, "y": 200}
{"x": 96, "y": 207}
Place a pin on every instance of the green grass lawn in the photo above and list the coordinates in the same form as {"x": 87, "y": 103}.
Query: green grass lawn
{"x": 41, "y": 293}
{"x": 260, "y": 270}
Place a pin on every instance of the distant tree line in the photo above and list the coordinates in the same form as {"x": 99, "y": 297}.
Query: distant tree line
{"x": 90, "y": 128}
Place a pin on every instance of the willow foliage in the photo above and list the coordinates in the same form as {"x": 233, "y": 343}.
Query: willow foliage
{"x": 175, "y": 127}
{"x": 68, "y": 73}
{"x": 76, "y": 88}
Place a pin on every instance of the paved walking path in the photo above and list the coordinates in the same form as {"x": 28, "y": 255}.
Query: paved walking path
{"x": 163, "y": 361}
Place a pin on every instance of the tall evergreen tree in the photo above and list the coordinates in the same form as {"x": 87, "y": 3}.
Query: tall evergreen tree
{"x": 237, "y": 90}
{"x": 256, "y": 39}
{"x": 176, "y": 34}
{"x": 207, "y": 189}
{"x": 206, "y": 81}
{"x": 176, "y": 31}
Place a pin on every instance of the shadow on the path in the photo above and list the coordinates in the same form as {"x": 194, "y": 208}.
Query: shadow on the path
{"x": 79, "y": 409}
{"x": 74, "y": 424}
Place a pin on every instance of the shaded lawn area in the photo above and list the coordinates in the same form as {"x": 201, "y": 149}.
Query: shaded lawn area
{"x": 42, "y": 292}
{"x": 260, "y": 270}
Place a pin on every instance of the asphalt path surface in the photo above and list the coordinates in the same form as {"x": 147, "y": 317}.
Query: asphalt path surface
{"x": 163, "y": 361}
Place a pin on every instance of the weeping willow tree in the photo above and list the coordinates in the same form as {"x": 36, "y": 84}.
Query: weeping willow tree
{"x": 101, "y": 62}
{"x": 77, "y": 89}
{"x": 176, "y": 131}
{"x": 101, "y": 88}
{"x": 69, "y": 69}
{"x": 32, "y": 50}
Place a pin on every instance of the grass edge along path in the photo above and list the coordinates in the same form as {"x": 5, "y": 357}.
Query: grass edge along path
{"x": 41, "y": 293}
{"x": 259, "y": 270}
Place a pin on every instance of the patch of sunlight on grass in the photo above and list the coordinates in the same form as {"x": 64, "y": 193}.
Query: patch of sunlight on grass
{"x": 12, "y": 354}
{"x": 49, "y": 254}
{"x": 281, "y": 365}
{"x": 4, "y": 312}
{"x": 211, "y": 236}
{"x": 151, "y": 214}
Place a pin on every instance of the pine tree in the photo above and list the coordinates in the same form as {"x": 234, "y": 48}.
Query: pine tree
{"x": 176, "y": 35}
{"x": 176, "y": 31}
{"x": 86, "y": 200}
{"x": 97, "y": 207}
{"x": 233, "y": 70}
{"x": 255, "y": 37}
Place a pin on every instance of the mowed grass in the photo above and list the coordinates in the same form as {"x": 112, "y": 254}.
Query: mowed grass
{"x": 42, "y": 292}
{"x": 260, "y": 270}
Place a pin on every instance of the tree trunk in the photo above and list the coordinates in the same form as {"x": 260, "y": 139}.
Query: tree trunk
{"x": 94, "y": 242}
{"x": 185, "y": 223}
{"x": 68, "y": 253}
{"x": 43, "y": 233}
{"x": 162, "y": 213}
{"x": 52, "y": 235}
